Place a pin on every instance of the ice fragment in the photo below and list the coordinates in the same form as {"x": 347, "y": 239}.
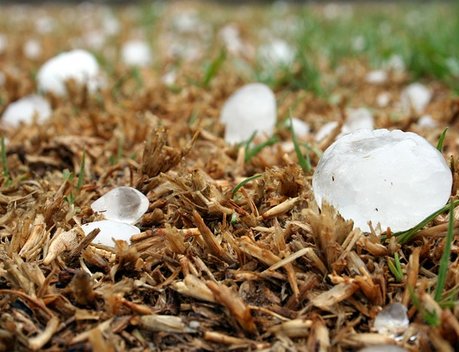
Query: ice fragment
{"x": 250, "y": 109}
{"x": 415, "y": 96}
{"x": 392, "y": 320}
{"x": 110, "y": 230}
{"x": 25, "y": 109}
{"x": 393, "y": 178}
{"x": 78, "y": 65}
{"x": 136, "y": 53}
{"x": 123, "y": 204}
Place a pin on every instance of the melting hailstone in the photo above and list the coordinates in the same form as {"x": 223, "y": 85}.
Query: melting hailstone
{"x": 393, "y": 178}
{"x": 123, "y": 204}
{"x": 110, "y": 230}
{"x": 392, "y": 320}
{"x": 78, "y": 65}
{"x": 25, "y": 109}
{"x": 250, "y": 109}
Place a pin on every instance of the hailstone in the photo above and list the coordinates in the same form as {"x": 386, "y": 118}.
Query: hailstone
{"x": 136, "y": 53}
{"x": 110, "y": 230}
{"x": 393, "y": 178}
{"x": 392, "y": 320}
{"x": 25, "y": 109}
{"x": 123, "y": 204}
{"x": 78, "y": 65}
{"x": 416, "y": 96}
{"x": 250, "y": 109}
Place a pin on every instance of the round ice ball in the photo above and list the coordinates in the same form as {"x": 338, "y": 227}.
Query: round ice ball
{"x": 78, "y": 65}
{"x": 25, "y": 109}
{"x": 394, "y": 178}
{"x": 250, "y": 109}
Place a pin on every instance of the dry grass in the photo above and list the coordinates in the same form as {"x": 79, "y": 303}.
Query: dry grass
{"x": 263, "y": 270}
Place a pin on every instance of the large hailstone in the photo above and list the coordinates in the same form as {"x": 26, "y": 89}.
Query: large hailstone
{"x": 250, "y": 109}
{"x": 110, "y": 230}
{"x": 393, "y": 178}
{"x": 123, "y": 204}
{"x": 25, "y": 109}
{"x": 78, "y": 65}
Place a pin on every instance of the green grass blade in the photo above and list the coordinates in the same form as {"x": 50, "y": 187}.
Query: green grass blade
{"x": 213, "y": 68}
{"x": 305, "y": 163}
{"x": 406, "y": 236}
{"x": 81, "y": 173}
{"x": 244, "y": 182}
{"x": 395, "y": 267}
{"x": 251, "y": 152}
{"x": 441, "y": 140}
{"x": 6, "y": 170}
{"x": 444, "y": 261}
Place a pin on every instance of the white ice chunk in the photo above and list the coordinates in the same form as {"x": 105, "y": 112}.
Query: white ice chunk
{"x": 376, "y": 77}
{"x": 32, "y": 49}
{"x": 136, "y": 53}
{"x": 383, "y": 99}
{"x": 110, "y": 230}
{"x": 415, "y": 96}
{"x": 393, "y": 178}
{"x": 123, "y": 204}
{"x": 358, "y": 119}
{"x": 78, "y": 65}
{"x": 395, "y": 63}
{"x": 392, "y": 320}
{"x": 383, "y": 348}
{"x": 277, "y": 52}
{"x": 427, "y": 121}
{"x": 231, "y": 37}
{"x": 300, "y": 127}
{"x": 25, "y": 109}
{"x": 325, "y": 130}
{"x": 250, "y": 109}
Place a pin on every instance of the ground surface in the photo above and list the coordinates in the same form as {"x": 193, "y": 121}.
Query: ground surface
{"x": 213, "y": 269}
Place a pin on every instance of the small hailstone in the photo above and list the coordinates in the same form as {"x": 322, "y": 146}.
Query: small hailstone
{"x": 169, "y": 78}
{"x": 250, "y": 109}
{"x": 325, "y": 130}
{"x": 277, "y": 52}
{"x": 32, "y": 49}
{"x": 78, "y": 65}
{"x": 110, "y": 230}
{"x": 383, "y": 348}
{"x": 393, "y": 178}
{"x": 231, "y": 38}
{"x": 136, "y": 53}
{"x": 427, "y": 121}
{"x": 395, "y": 63}
{"x": 383, "y": 99}
{"x": 25, "y": 109}
{"x": 415, "y": 96}
{"x": 124, "y": 204}
{"x": 376, "y": 77}
{"x": 358, "y": 119}
{"x": 392, "y": 320}
{"x": 300, "y": 127}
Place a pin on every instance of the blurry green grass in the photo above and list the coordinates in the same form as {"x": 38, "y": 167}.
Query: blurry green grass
{"x": 425, "y": 36}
